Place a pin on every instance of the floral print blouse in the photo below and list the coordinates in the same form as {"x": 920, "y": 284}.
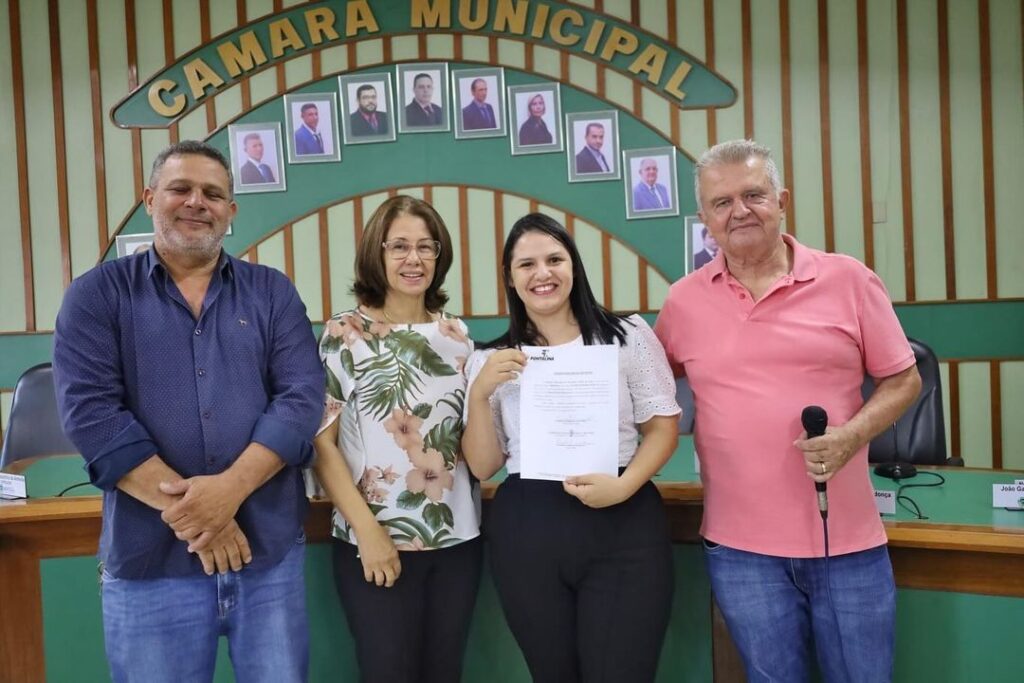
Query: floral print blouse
{"x": 399, "y": 391}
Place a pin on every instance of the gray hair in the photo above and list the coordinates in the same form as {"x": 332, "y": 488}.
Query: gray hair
{"x": 736, "y": 152}
{"x": 185, "y": 148}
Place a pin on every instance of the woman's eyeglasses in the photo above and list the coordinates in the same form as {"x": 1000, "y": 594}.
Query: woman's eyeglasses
{"x": 425, "y": 249}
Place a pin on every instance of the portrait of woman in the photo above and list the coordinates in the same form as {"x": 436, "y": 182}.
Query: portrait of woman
{"x": 582, "y": 567}
{"x": 534, "y": 131}
{"x": 534, "y": 117}
{"x": 406, "y": 548}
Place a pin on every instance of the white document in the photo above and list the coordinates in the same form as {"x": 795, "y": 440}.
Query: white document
{"x": 569, "y": 411}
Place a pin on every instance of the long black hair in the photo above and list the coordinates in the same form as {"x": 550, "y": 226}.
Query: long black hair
{"x": 597, "y": 324}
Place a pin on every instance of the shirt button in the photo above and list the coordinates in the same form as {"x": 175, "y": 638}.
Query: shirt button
{"x": 202, "y": 373}
{"x": 206, "y": 414}
{"x": 743, "y": 296}
{"x": 199, "y": 331}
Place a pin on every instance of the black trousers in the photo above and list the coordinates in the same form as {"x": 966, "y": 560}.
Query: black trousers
{"x": 587, "y": 592}
{"x": 415, "y": 631}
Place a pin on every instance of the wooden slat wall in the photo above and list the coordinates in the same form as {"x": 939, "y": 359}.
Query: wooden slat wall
{"x": 459, "y": 216}
{"x": 883, "y": 185}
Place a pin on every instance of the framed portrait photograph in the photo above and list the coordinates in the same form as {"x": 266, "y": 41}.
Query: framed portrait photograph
{"x": 535, "y": 118}
{"x": 479, "y": 103}
{"x": 423, "y": 97}
{"x": 312, "y": 124}
{"x": 650, "y": 182}
{"x": 593, "y": 149}
{"x": 133, "y": 244}
{"x": 256, "y": 158}
{"x": 701, "y": 246}
{"x": 368, "y": 105}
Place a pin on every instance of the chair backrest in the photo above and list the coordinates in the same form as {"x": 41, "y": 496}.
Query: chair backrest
{"x": 684, "y": 397}
{"x": 919, "y": 435}
{"x": 33, "y": 429}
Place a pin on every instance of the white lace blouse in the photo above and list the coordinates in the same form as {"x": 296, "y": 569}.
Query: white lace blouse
{"x": 646, "y": 389}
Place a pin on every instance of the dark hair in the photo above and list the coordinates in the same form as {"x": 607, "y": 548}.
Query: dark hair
{"x": 597, "y": 324}
{"x": 363, "y": 88}
{"x": 593, "y": 124}
{"x": 184, "y": 148}
{"x": 422, "y": 75}
{"x": 371, "y": 283}
{"x": 307, "y": 106}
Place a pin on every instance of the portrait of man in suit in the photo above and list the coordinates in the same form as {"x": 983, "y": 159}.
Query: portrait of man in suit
{"x": 367, "y": 119}
{"x": 478, "y": 114}
{"x": 251, "y": 169}
{"x": 649, "y": 194}
{"x": 649, "y": 182}
{"x": 308, "y": 139}
{"x": 591, "y": 159}
{"x": 311, "y": 122}
{"x": 421, "y": 110}
{"x": 710, "y": 250}
{"x": 257, "y": 157}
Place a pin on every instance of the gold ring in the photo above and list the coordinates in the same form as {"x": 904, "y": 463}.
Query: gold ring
{"x": 824, "y": 469}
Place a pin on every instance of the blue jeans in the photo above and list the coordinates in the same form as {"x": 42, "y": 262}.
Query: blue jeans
{"x": 774, "y": 605}
{"x": 166, "y": 630}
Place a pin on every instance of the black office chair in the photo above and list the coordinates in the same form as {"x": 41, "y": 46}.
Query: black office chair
{"x": 919, "y": 435}
{"x": 684, "y": 397}
{"x": 33, "y": 430}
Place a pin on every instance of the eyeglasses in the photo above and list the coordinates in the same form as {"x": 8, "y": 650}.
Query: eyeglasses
{"x": 425, "y": 249}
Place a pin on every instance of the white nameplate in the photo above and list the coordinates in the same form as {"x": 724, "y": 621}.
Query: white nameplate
{"x": 1008, "y": 495}
{"x": 885, "y": 501}
{"x": 12, "y": 486}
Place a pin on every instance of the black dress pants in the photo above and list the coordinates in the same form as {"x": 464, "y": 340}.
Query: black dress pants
{"x": 415, "y": 631}
{"x": 587, "y": 592}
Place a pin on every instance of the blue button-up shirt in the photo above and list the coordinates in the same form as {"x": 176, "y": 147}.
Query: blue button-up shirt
{"x": 137, "y": 374}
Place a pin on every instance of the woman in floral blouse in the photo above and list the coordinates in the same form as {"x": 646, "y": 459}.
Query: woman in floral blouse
{"x": 388, "y": 454}
{"x": 583, "y": 567}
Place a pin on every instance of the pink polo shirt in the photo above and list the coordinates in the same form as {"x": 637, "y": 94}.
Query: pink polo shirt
{"x": 753, "y": 367}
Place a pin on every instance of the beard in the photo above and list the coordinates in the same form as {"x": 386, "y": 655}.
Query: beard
{"x": 205, "y": 245}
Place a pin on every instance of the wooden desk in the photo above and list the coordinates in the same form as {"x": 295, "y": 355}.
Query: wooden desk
{"x": 961, "y": 558}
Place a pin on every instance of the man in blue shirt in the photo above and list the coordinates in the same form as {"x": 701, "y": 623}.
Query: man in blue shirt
{"x": 190, "y": 382}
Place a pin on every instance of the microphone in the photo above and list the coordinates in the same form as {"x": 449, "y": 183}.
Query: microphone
{"x": 815, "y": 419}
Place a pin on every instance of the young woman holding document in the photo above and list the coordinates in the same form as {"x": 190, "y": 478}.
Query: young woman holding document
{"x": 583, "y": 567}
{"x": 388, "y": 454}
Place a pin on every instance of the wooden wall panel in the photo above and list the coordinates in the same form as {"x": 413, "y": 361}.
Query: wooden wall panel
{"x": 1012, "y": 401}
{"x": 798, "y": 65}
{"x": 925, "y": 151}
{"x": 886, "y": 146}
{"x": 478, "y": 220}
{"x": 12, "y": 275}
{"x": 766, "y": 78}
{"x": 1007, "y": 77}
{"x": 807, "y": 186}
{"x": 78, "y": 124}
{"x": 41, "y": 169}
{"x": 966, "y": 151}
{"x": 844, "y": 136}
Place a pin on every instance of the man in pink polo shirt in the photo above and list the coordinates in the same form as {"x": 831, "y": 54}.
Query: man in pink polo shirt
{"x": 769, "y": 327}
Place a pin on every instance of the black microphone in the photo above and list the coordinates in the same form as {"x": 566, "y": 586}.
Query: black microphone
{"x": 815, "y": 419}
